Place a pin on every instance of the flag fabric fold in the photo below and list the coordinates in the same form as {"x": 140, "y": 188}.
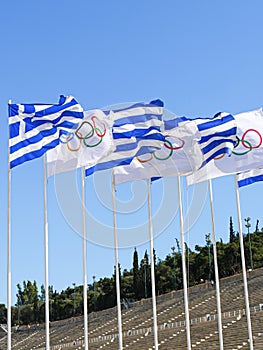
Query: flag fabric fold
{"x": 136, "y": 130}
{"x": 36, "y": 128}
{"x": 90, "y": 142}
{"x": 246, "y": 155}
{"x": 249, "y": 177}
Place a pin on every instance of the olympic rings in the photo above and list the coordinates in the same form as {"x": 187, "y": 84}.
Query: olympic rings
{"x": 246, "y": 144}
{"x": 84, "y": 136}
{"x": 168, "y": 144}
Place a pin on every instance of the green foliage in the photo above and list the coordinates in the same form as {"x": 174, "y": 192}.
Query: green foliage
{"x": 136, "y": 283}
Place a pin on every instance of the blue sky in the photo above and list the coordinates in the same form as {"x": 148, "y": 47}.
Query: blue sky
{"x": 199, "y": 57}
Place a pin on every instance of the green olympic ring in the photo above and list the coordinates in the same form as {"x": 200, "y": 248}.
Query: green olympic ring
{"x": 170, "y": 153}
{"x": 247, "y": 143}
{"x": 87, "y": 137}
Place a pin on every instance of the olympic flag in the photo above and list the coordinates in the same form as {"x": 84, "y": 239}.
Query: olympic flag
{"x": 89, "y": 143}
{"x": 36, "y": 128}
{"x": 246, "y": 155}
{"x": 136, "y": 131}
{"x": 180, "y": 155}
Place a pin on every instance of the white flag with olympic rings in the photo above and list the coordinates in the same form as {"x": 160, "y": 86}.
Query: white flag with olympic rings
{"x": 246, "y": 155}
{"x": 85, "y": 146}
{"x": 180, "y": 155}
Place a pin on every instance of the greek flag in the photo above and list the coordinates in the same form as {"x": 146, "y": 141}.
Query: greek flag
{"x": 36, "y": 128}
{"x": 218, "y": 135}
{"x": 136, "y": 131}
{"x": 249, "y": 177}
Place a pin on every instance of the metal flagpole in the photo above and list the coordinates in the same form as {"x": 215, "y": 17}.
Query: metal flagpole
{"x": 243, "y": 266}
{"x": 46, "y": 255}
{"x": 219, "y": 316}
{"x": 116, "y": 263}
{"x": 155, "y": 326}
{"x": 187, "y": 320}
{"x": 8, "y": 244}
{"x": 84, "y": 252}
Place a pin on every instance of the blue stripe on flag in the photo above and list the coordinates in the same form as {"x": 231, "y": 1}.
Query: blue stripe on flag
{"x": 137, "y": 119}
{"x": 174, "y": 123}
{"x": 214, "y": 123}
{"x": 55, "y": 109}
{"x": 78, "y": 115}
{"x": 138, "y": 133}
{"x": 218, "y": 134}
{"x": 216, "y": 154}
{"x": 250, "y": 180}
{"x": 216, "y": 143}
{"x": 34, "y": 154}
{"x": 31, "y": 140}
{"x": 108, "y": 165}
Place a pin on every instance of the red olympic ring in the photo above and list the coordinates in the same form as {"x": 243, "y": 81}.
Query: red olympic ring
{"x": 166, "y": 144}
{"x": 95, "y": 127}
{"x": 260, "y": 138}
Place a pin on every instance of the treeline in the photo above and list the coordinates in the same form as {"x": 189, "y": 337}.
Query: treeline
{"x": 136, "y": 282}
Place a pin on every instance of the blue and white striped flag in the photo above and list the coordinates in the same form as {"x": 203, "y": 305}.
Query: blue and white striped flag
{"x": 249, "y": 177}
{"x": 136, "y": 131}
{"x": 36, "y": 128}
{"x": 218, "y": 135}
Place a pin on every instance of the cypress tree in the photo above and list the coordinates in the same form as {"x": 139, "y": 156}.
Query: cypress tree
{"x": 232, "y": 235}
{"x": 136, "y": 277}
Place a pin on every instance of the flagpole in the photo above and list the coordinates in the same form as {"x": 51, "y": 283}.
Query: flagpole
{"x": 46, "y": 255}
{"x": 243, "y": 266}
{"x": 155, "y": 326}
{"x": 187, "y": 320}
{"x": 219, "y": 315}
{"x": 84, "y": 253}
{"x": 8, "y": 243}
{"x": 116, "y": 264}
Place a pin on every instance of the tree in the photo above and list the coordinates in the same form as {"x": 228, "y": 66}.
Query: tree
{"x": 232, "y": 235}
{"x": 257, "y": 228}
{"x": 136, "y": 276}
